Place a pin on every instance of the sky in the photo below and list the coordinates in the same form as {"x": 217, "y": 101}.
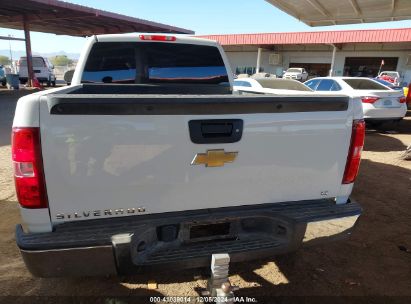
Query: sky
{"x": 204, "y": 17}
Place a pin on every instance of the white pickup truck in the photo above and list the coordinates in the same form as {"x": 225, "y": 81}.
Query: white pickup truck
{"x": 148, "y": 160}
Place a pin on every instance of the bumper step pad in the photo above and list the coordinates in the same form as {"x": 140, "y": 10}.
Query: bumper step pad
{"x": 203, "y": 250}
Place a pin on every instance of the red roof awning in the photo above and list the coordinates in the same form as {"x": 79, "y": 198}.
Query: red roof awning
{"x": 325, "y": 37}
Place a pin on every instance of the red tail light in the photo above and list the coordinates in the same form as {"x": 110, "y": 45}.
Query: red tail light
{"x": 28, "y": 168}
{"x": 354, "y": 154}
{"x": 402, "y": 99}
{"x": 369, "y": 99}
{"x": 158, "y": 38}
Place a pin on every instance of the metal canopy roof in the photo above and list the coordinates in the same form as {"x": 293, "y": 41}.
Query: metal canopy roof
{"x": 333, "y": 12}
{"x": 63, "y": 18}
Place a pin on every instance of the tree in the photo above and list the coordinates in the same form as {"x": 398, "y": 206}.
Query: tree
{"x": 61, "y": 60}
{"x": 4, "y": 60}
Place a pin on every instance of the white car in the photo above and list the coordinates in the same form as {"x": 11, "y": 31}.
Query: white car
{"x": 267, "y": 85}
{"x": 379, "y": 102}
{"x": 42, "y": 68}
{"x": 296, "y": 74}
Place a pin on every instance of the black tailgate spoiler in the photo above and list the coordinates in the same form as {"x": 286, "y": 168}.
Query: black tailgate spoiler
{"x": 95, "y": 104}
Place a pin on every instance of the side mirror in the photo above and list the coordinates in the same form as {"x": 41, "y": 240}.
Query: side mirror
{"x": 52, "y": 66}
{"x": 68, "y": 76}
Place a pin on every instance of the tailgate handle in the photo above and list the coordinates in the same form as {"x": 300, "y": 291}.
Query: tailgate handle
{"x": 215, "y": 131}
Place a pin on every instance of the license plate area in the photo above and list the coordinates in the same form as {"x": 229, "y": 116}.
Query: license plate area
{"x": 210, "y": 231}
{"x": 387, "y": 103}
{"x": 178, "y": 239}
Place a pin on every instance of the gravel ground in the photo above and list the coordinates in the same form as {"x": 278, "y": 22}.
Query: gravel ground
{"x": 369, "y": 264}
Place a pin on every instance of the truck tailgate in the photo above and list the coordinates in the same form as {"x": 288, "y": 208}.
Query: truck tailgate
{"x": 122, "y": 155}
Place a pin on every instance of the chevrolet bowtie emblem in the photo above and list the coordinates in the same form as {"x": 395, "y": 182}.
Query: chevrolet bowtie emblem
{"x": 214, "y": 158}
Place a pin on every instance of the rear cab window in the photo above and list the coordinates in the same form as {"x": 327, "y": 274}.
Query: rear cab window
{"x": 36, "y": 62}
{"x": 152, "y": 62}
{"x": 365, "y": 84}
{"x": 294, "y": 70}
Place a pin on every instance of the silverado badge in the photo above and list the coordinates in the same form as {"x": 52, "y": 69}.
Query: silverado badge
{"x": 214, "y": 158}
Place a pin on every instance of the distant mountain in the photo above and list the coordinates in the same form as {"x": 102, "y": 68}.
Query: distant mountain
{"x": 18, "y": 54}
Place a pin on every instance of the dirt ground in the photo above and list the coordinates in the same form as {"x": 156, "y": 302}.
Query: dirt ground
{"x": 371, "y": 263}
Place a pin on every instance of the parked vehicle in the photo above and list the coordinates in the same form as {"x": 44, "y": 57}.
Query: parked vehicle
{"x": 405, "y": 89}
{"x": 296, "y": 74}
{"x": 2, "y": 76}
{"x": 132, "y": 168}
{"x": 278, "y": 86}
{"x": 390, "y": 76}
{"x": 380, "y": 103}
{"x": 42, "y": 68}
{"x": 391, "y": 85}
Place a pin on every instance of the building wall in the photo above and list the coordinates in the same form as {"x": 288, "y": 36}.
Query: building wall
{"x": 249, "y": 58}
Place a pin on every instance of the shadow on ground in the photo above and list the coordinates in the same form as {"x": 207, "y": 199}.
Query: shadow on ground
{"x": 382, "y": 139}
{"x": 380, "y": 142}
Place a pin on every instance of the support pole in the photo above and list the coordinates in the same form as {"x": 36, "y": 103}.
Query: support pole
{"x": 11, "y": 53}
{"x": 333, "y": 60}
{"x": 257, "y": 70}
{"x": 30, "y": 73}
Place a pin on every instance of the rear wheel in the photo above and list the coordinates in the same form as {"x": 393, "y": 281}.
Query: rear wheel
{"x": 3, "y": 83}
{"x": 53, "y": 83}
